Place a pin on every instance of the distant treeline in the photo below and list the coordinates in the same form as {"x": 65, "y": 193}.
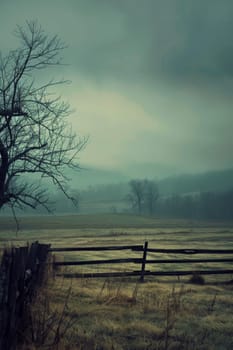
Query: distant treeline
{"x": 214, "y": 181}
{"x": 203, "y": 197}
{"x": 198, "y": 206}
{"x": 202, "y": 206}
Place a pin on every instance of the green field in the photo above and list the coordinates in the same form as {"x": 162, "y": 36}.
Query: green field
{"x": 162, "y": 313}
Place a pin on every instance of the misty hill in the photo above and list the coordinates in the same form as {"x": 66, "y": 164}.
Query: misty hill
{"x": 89, "y": 177}
{"x": 149, "y": 170}
{"x": 92, "y": 176}
{"x": 114, "y": 181}
{"x": 112, "y": 197}
{"x": 106, "y": 191}
{"x": 212, "y": 181}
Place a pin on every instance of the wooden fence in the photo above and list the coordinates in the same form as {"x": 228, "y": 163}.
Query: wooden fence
{"x": 144, "y": 260}
{"x": 21, "y": 273}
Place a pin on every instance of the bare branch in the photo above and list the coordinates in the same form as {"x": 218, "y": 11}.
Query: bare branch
{"x": 35, "y": 139}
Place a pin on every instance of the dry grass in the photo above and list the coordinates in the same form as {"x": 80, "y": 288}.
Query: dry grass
{"x": 122, "y": 314}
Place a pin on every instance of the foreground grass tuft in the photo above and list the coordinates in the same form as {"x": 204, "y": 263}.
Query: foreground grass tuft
{"x": 121, "y": 314}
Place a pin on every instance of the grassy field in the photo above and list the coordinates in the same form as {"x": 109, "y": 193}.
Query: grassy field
{"x": 111, "y": 314}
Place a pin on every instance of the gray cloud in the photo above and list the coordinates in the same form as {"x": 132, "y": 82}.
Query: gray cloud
{"x": 160, "y": 72}
{"x": 175, "y": 39}
{"x": 150, "y": 39}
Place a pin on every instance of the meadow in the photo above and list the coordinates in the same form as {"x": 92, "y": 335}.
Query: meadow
{"x": 122, "y": 313}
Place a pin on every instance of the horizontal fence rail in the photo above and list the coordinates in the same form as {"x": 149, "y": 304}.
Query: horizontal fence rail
{"x": 176, "y": 261}
{"x": 79, "y": 249}
{"x": 146, "y": 273}
{"x": 191, "y": 251}
{"x": 138, "y": 261}
{"x": 144, "y": 261}
{"x": 140, "y": 248}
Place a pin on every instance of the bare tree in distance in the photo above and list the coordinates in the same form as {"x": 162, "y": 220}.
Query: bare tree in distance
{"x": 136, "y": 195}
{"x": 36, "y": 141}
{"x": 151, "y": 194}
{"x": 143, "y": 196}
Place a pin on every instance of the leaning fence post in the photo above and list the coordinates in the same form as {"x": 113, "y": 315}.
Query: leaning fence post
{"x": 143, "y": 262}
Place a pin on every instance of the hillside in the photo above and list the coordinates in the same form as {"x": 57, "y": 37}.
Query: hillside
{"x": 213, "y": 181}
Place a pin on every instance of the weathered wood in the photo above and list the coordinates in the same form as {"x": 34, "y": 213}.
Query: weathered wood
{"x": 191, "y": 251}
{"x": 20, "y": 270}
{"x": 140, "y": 248}
{"x": 42, "y": 256}
{"x": 139, "y": 261}
{"x": 146, "y": 273}
{"x": 4, "y": 289}
{"x": 176, "y": 261}
{"x": 143, "y": 261}
{"x": 79, "y": 249}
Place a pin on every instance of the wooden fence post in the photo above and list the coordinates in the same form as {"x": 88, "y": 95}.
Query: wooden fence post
{"x": 143, "y": 262}
{"x": 4, "y": 286}
{"x": 22, "y": 271}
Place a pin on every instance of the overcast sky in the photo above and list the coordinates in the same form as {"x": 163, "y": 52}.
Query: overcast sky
{"x": 152, "y": 80}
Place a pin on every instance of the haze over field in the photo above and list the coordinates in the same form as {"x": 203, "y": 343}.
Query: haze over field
{"x": 116, "y": 168}
{"x": 151, "y": 80}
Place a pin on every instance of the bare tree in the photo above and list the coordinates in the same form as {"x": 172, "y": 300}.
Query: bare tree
{"x": 151, "y": 195}
{"x": 35, "y": 139}
{"x": 143, "y": 196}
{"x": 136, "y": 195}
